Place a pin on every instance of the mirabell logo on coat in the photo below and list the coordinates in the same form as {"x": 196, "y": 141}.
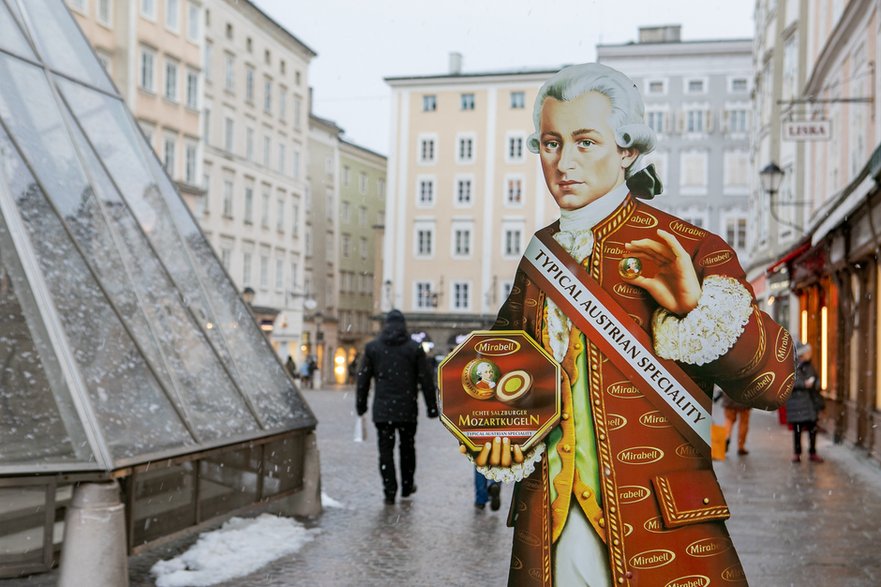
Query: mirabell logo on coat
{"x": 758, "y": 385}
{"x": 643, "y": 220}
{"x": 652, "y": 559}
{"x": 690, "y": 581}
{"x": 640, "y": 455}
{"x": 784, "y": 341}
{"x": 625, "y": 290}
{"x": 623, "y": 390}
{"x": 654, "y": 419}
{"x": 708, "y": 547}
{"x": 716, "y": 258}
{"x": 615, "y": 421}
{"x": 686, "y": 231}
{"x": 632, "y": 493}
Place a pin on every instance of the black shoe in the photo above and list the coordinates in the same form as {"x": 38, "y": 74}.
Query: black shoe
{"x": 390, "y": 500}
{"x": 408, "y": 493}
{"x": 495, "y": 497}
{"x": 480, "y": 506}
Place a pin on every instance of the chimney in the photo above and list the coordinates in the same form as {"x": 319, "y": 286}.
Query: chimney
{"x": 455, "y": 63}
{"x": 671, "y": 33}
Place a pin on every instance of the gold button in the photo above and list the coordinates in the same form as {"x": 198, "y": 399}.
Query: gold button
{"x": 602, "y": 436}
{"x": 602, "y": 522}
{"x": 585, "y": 494}
{"x": 613, "y": 509}
{"x": 565, "y": 416}
{"x": 596, "y": 402}
{"x": 621, "y": 580}
{"x": 566, "y": 448}
{"x": 616, "y": 542}
{"x": 706, "y": 500}
{"x": 577, "y": 346}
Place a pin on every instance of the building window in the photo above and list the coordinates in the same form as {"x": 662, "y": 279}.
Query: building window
{"x": 192, "y": 89}
{"x": 209, "y": 53}
{"x": 171, "y": 80}
{"x": 264, "y": 210}
{"x": 735, "y": 233}
{"x": 279, "y": 274}
{"x": 518, "y": 100}
{"x": 739, "y": 85}
{"x": 347, "y": 172}
{"x": 105, "y": 12}
{"x": 264, "y": 271}
{"x": 426, "y": 192}
{"x": 461, "y": 242}
{"x": 465, "y": 150}
{"x": 148, "y": 9}
{"x": 295, "y": 218}
{"x": 169, "y": 154}
{"x": 424, "y": 242}
{"x": 694, "y": 172}
{"x": 249, "y": 83}
{"x": 193, "y": 21}
{"x": 267, "y": 144}
{"x": 249, "y": 205}
{"x": 429, "y": 103}
{"x": 362, "y": 216}
{"x": 191, "y": 163}
{"x": 225, "y": 257}
{"x": 229, "y": 136}
{"x": 657, "y": 87}
{"x": 249, "y": 144}
{"x": 423, "y": 295}
{"x": 655, "y": 120}
{"x": 513, "y": 242}
{"x": 148, "y": 58}
{"x": 267, "y": 96}
{"x": 298, "y": 107}
{"x": 735, "y": 170}
{"x": 362, "y": 183}
{"x": 279, "y": 218}
{"x": 230, "y": 78}
{"x": 362, "y": 247}
{"x": 281, "y": 157}
{"x": 463, "y": 191}
{"x": 426, "y": 150}
{"x": 515, "y": 149}
{"x": 380, "y": 187}
{"x": 695, "y": 86}
{"x": 694, "y": 121}
{"x": 467, "y": 101}
{"x": 172, "y": 14}
{"x": 295, "y": 165}
{"x": 246, "y": 269}
{"x": 737, "y": 121}
{"x": 514, "y": 191}
{"x": 461, "y": 295}
{"x": 227, "y": 198}
{"x": 282, "y": 103}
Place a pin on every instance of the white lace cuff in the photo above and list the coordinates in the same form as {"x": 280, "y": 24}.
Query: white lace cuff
{"x": 517, "y": 471}
{"x": 710, "y": 330}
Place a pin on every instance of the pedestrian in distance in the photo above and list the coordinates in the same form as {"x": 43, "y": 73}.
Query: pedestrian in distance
{"x": 306, "y": 373}
{"x": 486, "y": 490}
{"x": 399, "y": 367}
{"x": 804, "y": 405}
{"x": 735, "y": 412}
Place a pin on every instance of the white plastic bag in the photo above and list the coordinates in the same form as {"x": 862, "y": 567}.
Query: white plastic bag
{"x": 360, "y": 429}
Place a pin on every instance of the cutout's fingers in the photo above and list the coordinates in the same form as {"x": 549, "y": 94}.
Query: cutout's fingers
{"x": 518, "y": 454}
{"x": 495, "y": 456}
{"x": 463, "y": 449}
{"x": 646, "y": 255}
{"x": 483, "y": 457}
{"x": 661, "y": 249}
{"x": 675, "y": 246}
{"x": 506, "y": 452}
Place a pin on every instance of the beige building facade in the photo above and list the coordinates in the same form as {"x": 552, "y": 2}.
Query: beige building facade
{"x": 465, "y": 195}
{"x": 153, "y": 51}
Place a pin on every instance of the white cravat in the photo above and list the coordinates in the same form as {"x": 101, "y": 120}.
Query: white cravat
{"x": 576, "y": 237}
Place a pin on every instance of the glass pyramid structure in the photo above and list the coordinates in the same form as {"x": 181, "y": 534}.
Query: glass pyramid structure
{"x": 122, "y": 338}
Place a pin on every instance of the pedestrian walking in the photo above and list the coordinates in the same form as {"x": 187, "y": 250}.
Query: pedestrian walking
{"x": 736, "y": 412}
{"x": 306, "y": 373}
{"x": 399, "y": 366}
{"x": 486, "y": 490}
{"x": 804, "y": 405}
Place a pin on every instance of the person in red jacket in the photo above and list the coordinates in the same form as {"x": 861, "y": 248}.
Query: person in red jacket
{"x": 616, "y": 494}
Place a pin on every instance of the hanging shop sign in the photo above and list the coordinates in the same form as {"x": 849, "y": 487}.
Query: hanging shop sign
{"x": 807, "y": 130}
{"x": 499, "y": 383}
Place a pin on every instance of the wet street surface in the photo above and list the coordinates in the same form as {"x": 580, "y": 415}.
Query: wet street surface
{"x": 792, "y": 524}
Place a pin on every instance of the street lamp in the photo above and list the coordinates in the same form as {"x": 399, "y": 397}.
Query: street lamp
{"x": 771, "y": 176}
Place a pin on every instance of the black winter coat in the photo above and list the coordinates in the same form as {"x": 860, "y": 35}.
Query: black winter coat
{"x": 802, "y": 406}
{"x": 399, "y": 365}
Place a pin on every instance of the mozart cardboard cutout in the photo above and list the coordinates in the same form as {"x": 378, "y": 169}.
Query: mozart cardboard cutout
{"x": 644, "y": 313}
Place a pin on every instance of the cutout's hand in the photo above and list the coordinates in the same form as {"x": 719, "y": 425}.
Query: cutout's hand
{"x": 675, "y": 286}
{"x": 498, "y": 453}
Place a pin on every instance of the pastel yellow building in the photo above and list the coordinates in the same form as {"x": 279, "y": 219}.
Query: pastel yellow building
{"x": 465, "y": 195}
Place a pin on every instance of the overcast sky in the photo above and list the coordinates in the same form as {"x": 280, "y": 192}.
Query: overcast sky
{"x": 361, "y": 42}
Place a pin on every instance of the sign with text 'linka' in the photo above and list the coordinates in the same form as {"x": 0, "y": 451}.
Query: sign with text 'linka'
{"x": 807, "y": 130}
{"x": 499, "y": 383}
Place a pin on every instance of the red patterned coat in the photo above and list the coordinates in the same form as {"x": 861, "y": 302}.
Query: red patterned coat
{"x": 662, "y": 514}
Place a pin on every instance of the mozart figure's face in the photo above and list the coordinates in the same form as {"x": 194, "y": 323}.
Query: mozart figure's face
{"x": 579, "y": 157}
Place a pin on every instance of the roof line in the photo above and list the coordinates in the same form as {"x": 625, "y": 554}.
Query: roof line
{"x": 279, "y": 26}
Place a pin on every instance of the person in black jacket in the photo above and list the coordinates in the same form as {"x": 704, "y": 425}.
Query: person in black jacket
{"x": 804, "y": 405}
{"x": 399, "y": 365}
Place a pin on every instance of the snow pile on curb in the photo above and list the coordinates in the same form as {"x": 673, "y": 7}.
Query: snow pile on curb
{"x": 329, "y": 502}
{"x": 240, "y": 547}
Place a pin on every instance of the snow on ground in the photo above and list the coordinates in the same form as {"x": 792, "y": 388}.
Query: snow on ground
{"x": 329, "y": 502}
{"x": 238, "y": 548}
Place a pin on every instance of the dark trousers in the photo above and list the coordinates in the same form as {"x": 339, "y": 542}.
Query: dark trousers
{"x": 811, "y": 427}
{"x": 385, "y": 435}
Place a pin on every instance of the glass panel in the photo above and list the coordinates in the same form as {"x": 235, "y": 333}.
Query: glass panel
{"x": 125, "y": 266}
{"x": 228, "y": 481}
{"x": 188, "y": 257}
{"x": 11, "y": 37}
{"x": 22, "y": 524}
{"x": 129, "y": 402}
{"x": 163, "y": 502}
{"x": 38, "y": 423}
{"x": 283, "y": 465}
{"x": 61, "y": 44}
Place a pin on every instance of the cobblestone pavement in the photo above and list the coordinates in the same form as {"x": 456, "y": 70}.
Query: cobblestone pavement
{"x": 793, "y": 524}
